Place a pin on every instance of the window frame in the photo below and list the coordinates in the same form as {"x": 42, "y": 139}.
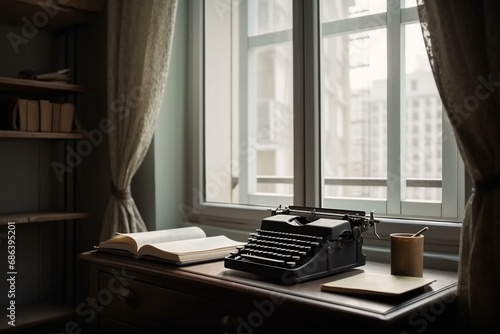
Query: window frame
{"x": 443, "y": 236}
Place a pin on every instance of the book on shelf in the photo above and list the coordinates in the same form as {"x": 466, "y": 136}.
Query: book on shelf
{"x": 180, "y": 246}
{"x": 26, "y": 115}
{"x": 56, "y": 112}
{"x": 66, "y": 117}
{"x": 45, "y": 116}
{"x": 20, "y": 115}
{"x": 376, "y": 284}
{"x": 33, "y": 116}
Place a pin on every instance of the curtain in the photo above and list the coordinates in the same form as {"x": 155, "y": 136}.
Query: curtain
{"x": 140, "y": 35}
{"x": 463, "y": 44}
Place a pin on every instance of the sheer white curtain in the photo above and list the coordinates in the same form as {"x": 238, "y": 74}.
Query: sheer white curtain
{"x": 463, "y": 43}
{"x": 140, "y": 35}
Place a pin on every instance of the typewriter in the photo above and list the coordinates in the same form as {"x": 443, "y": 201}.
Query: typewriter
{"x": 296, "y": 244}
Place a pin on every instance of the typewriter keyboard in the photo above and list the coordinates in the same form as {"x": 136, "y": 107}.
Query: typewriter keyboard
{"x": 282, "y": 249}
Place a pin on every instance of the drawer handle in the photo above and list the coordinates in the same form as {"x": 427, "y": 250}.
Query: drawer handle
{"x": 125, "y": 297}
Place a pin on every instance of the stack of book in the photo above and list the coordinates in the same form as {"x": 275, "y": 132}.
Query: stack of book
{"x": 60, "y": 75}
{"x": 43, "y": 116}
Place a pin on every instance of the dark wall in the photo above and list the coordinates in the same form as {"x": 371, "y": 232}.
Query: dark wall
{"x": 94, "y": 177}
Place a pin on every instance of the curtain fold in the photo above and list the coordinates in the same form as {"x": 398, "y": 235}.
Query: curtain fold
{"x": 463, "y": 44}
{"x": 140, "y": 35}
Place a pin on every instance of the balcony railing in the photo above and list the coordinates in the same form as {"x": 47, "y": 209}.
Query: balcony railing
{"x": 356, "y": 181}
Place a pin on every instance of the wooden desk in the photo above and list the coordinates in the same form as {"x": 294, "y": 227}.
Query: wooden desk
{"x": 141, "y": 296}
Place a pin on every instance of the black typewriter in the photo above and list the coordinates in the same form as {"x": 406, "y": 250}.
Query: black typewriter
{"x": 296, "y": 244}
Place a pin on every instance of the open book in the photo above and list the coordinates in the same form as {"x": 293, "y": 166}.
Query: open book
{"x": 182, "y": 245}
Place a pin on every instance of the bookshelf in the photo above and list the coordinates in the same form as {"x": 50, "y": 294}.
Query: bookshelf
{"x": 36, "y": 86}
{"x": 11, "y": 12}
{"x": 38, "y": 135}
{"x": 41, "y": 217}
{"x": 45, "y": 210}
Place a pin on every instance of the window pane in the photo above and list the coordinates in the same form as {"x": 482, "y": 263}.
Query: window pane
{"x": 220, "y": 155}
{"x": 248, "y": 108}
{"x": 269, "y": 16}
{"x": 332, "y": 10}
{"x": 423, "y": 122}
{"x": 354, "y": 114}
{"x": 274, "y": 113}
{"x": 408, "y": 3}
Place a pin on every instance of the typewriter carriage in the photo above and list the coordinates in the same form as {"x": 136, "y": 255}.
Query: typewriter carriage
{"x": 357, "y": 219}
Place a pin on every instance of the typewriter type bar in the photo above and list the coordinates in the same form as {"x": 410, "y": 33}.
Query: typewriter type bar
{"x": 316, "y": 212}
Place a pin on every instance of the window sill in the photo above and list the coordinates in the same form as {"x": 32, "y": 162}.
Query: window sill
{"x": 441, "y": 243}
{"x": 432, "y": 260}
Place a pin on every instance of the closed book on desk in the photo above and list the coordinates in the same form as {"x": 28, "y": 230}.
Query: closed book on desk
{"x": 376, "y": 284}
{"x": 180, "y": 246}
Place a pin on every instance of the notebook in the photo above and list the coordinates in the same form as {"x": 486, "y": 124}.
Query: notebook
{"x": 376, "y": 284}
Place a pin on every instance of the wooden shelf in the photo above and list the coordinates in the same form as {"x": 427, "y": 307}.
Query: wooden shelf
{"x": 12, "y": 11}
{"x": 39, "y": 135}
{"x": 41, "y": 217}
{"x": 36, "y": 86}
{"x": 31, "y": 317}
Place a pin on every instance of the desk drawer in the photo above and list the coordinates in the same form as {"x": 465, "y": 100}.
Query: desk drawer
{"x": 156, "y": 303}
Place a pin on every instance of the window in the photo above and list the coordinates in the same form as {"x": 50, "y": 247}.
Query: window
{"x": 316, "y": 103}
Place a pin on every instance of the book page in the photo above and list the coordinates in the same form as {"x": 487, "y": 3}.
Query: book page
{"x": 119, "y": 242}
{"x": 139, "y": 239}
{"x": 153, "y": 237}
{"x": 192, "y": 249}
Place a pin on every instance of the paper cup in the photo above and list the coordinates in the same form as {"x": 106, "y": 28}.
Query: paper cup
{"x": 407, "y": 254}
